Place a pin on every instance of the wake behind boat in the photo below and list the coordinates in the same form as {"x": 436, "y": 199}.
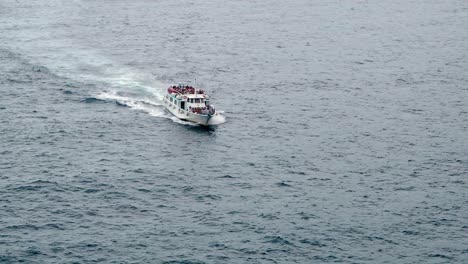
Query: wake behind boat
{"x": 189, "y": 104}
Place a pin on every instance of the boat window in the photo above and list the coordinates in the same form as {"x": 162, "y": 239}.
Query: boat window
{"x": 197, "y": 100}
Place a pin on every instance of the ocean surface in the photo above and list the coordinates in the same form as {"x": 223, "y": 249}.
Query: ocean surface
{"x": 343, "y": 136}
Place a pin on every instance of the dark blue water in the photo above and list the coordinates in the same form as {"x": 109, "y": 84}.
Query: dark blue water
{"x": 343, "y": 137}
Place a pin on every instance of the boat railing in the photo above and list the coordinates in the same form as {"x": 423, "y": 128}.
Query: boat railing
{"x": 185, "y": 90}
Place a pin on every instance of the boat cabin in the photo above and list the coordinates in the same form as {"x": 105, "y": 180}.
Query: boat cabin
{"x": 186, "y": 101}
{"x": 189, "y": 103}
{"x": 189, "y": 99}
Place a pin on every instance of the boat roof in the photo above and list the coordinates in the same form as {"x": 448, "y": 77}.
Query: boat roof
{"x": 186, "y": 92}
{"x": 194, "y": 95}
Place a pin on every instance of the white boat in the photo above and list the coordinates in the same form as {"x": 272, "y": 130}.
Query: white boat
{"x": 189, "y": 104}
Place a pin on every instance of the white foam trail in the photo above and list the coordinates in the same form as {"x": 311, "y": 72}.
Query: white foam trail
{"x": 147, "y": 105}
{"x": 127, "y": 83}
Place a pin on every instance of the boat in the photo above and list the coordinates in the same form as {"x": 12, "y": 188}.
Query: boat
{"x": 190, "y": 104}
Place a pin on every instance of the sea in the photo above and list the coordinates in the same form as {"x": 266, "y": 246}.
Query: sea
{"x": 342, "y": 135}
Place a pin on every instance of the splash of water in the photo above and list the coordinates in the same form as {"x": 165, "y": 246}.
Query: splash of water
{"x": 217, "y": 120}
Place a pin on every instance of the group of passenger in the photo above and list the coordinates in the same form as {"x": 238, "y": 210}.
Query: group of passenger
{"x": 205, "y": 110}
{"x": 184, "y": 89}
